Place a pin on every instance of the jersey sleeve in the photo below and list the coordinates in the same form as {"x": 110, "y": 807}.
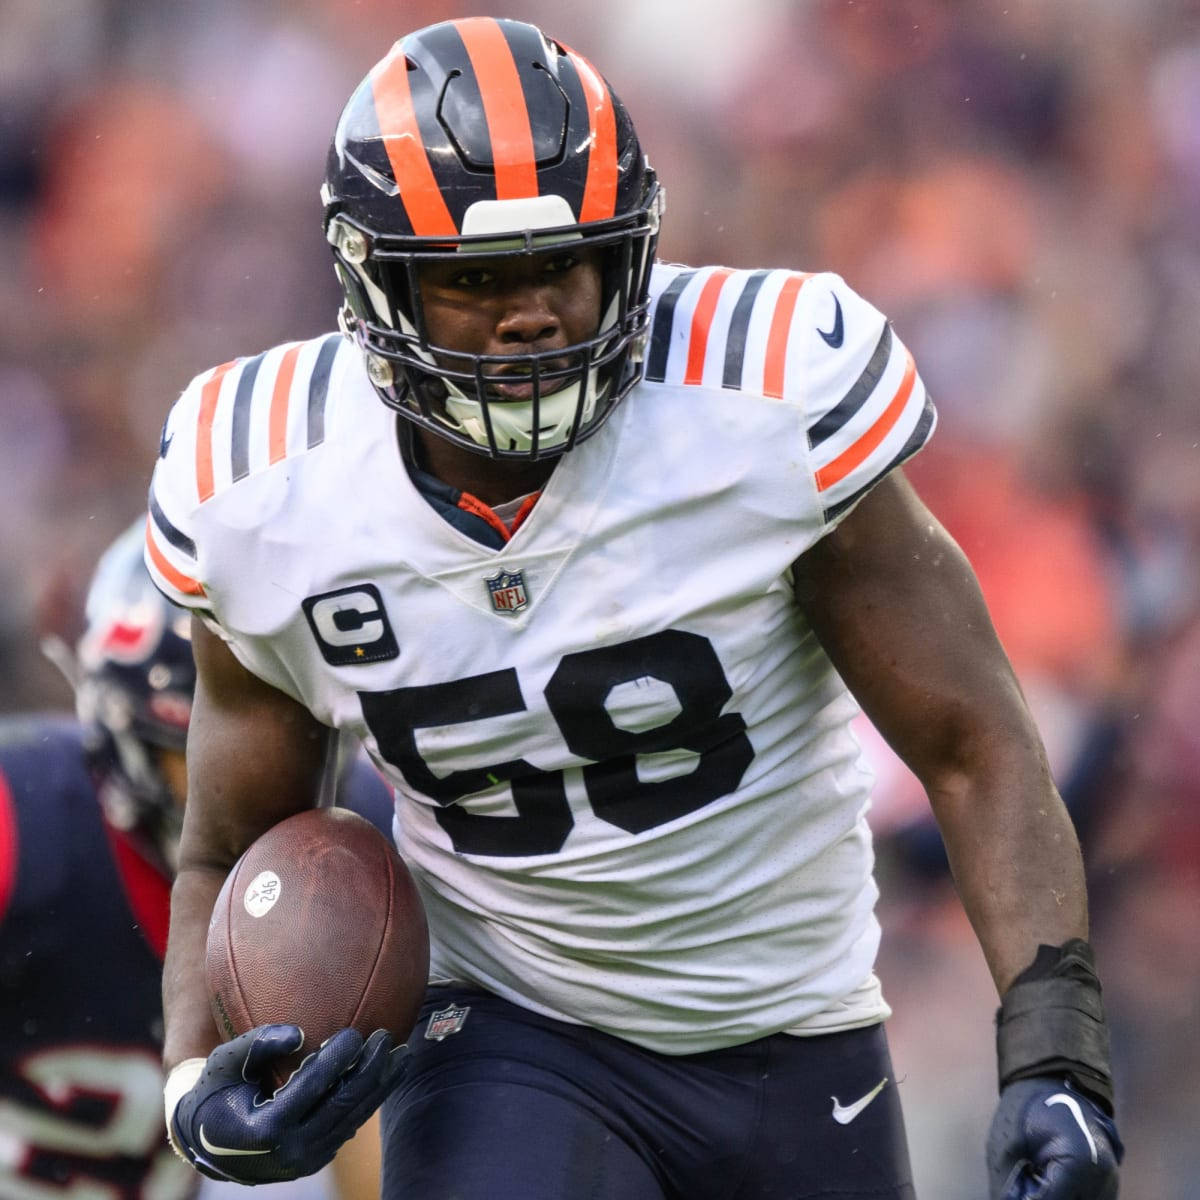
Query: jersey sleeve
{"x": 176, "y": 491}
{"x": 865, "y": 407}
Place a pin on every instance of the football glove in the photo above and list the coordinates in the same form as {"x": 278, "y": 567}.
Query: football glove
{"x": 230, "y": 1127}
{"x": 1048, "y": 1141}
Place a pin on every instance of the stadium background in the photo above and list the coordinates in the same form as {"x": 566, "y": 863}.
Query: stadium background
{"x": 1016, "y": 183}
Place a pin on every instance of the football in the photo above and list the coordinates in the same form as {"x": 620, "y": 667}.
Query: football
{"x": 319, "y": 924}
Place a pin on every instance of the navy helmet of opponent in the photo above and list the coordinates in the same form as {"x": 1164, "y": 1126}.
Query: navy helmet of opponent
{"x": 133, "y": 694}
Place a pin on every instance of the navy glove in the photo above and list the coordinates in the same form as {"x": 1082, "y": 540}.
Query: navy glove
{"x": 230, "y": 1127}
{"x": 1048, "y": 1141}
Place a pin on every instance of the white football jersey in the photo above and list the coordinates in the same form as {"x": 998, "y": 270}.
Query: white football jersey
{"x": 625, "y": 778}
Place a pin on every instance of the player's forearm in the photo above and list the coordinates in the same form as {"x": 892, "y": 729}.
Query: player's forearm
{"x": 190, "y": 1029}
{"x": 1015, "y": 859}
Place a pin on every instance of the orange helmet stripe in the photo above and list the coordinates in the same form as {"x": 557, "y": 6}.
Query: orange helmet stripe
{"x": 702, "y": 317}
{"x": 503, "y": 107}
{"x": 419, "y": 191}
{"x": 209, "y": 394}
{"x": 279, "y": 404}
{"x": 777, "y": 338}
{"x": 854, "y": 454}
{"x": 600, "y": 190}
{"x": 177, "y": 579}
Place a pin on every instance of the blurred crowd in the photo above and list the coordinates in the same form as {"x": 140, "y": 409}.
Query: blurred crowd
{"x": 1016, "y": 183}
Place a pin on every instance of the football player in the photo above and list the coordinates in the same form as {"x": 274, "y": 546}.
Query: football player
{"x": 90, "y": 811}
{"x": 596, "y": 555}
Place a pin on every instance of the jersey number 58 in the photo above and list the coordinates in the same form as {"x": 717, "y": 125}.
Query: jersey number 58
{"x": 576, "y": 695}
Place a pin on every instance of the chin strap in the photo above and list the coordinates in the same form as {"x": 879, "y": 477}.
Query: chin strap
{"x": 1051, "y": 1022}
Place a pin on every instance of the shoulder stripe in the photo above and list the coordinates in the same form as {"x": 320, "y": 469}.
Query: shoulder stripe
{"x": 8, "y": 845}
{"x": 702, "y": 317}
{"x": 854, "y": 454}
{"x": 240, "y": 433}
{"x": 176, "y": 537}
{"x": 739, "y": 325}
{"x": 209, "y": 393}
{"x": 916, "y": 439}
{"x": 664, "y": 319}
{"x": 177, "y": 579}
{"x": 277, "y": 432}
{"x": 774, "y": 369}
{"x": 858, "y": 394}
{"x": 318, "y": 389}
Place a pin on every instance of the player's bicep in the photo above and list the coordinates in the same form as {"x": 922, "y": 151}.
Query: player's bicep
{"x": 254, "y": 755}
{"x": 898, "y": 609}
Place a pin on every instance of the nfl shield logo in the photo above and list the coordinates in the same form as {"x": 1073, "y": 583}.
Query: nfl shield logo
{"x": 446, "y": 1021}
{"x": 508, "y": 592}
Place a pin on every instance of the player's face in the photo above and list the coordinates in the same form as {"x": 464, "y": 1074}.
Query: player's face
{"x": 514, "y": 306}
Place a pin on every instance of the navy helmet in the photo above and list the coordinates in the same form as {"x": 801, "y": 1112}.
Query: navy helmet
{"x": 486, "y": 137}
{"x": 134, "y": 682}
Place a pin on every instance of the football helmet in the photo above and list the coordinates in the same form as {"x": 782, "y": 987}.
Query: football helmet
{"x": 134, "y": 682}
{"x": 486, "y": 138}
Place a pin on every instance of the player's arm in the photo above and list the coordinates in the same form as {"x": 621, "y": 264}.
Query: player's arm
{"x": 899, "y": 611}
{"x": 255, "y": 756}
{"x": 897, "y": 608}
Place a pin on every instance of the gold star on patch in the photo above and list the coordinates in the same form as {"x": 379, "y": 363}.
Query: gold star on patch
{"x": 359, "y": 652}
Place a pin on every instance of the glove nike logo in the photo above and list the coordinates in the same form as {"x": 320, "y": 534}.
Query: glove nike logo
{"x": 844, "y": 1114}
{"x": 833, "y": 339}
{"x": 223, "y": 1150}
{"x": 1073, "y": 1106}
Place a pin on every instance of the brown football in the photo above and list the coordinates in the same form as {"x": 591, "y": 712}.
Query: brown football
{"x": 319, "y": 924}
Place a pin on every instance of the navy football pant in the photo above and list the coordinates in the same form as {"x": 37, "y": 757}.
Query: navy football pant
{"x": 514, "y": 1106}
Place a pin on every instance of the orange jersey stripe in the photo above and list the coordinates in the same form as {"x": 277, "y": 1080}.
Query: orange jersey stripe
{"x": 279, "y": 403}
{"x": 777, "y": 338}
{"x": 209, "y": 394}
{"x": 600, "y": 190}
{"x": 503, "y": 107}
{"x": 177, "y": 579}
{"x": 423, "y": 200}
{"x": 850, "y": 458}
{"x": 706, "y": 305}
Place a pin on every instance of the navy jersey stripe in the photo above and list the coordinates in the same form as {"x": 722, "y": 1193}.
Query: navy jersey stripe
{"x": 318, "y": 389}
{"x": 915, "y": 441}
{"x": 739, "y": 326}
{"x": 176, "y": 537}
{"x": 664, "y": 319}
{"x": 858, "y": 395}
{"x": 240, "y": 449}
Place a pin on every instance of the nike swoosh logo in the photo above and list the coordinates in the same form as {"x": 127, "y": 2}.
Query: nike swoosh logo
{"x": 164, "y": 443}
{"x": 1073, "y": 1107}
{"x": 833, "y": 339}
{"x": 843, "y": 1114}
{"x": 213, "y": 1149}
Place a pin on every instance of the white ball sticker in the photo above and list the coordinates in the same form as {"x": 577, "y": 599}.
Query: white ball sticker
{"x": 262, "y": 893}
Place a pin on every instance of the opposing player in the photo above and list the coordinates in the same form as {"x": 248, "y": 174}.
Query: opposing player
{"x": 90, "y": 811}
{"x": 596, "y": 583}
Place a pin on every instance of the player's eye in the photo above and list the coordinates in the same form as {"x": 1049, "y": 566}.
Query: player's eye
{"x": 471, "y": 277}
{"x": 559, "y": 263}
